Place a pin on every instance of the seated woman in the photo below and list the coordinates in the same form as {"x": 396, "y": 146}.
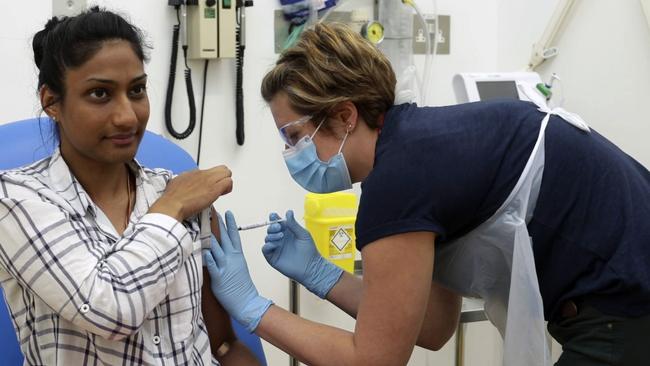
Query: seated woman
{"x": 100, "y": 258}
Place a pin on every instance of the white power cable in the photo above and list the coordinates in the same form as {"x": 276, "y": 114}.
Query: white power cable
{"x": 425, "y": 81}
{"x": 428, "y": 67}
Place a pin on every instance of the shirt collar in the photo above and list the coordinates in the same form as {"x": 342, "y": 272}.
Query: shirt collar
{"x": 66, "y": 184}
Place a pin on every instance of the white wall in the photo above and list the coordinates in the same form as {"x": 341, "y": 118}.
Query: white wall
{"x": 606, "y": 85}
{"x": 604, "y": 62}
{"x": 17, "y": 71}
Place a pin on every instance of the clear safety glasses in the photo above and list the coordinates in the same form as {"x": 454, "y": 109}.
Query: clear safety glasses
{"x": 291, "y": 132}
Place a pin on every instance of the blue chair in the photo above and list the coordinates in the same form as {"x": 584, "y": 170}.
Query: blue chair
{"x": 26, "y": 141}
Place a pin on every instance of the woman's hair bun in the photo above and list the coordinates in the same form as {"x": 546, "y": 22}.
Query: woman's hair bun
{"x": 38, "y": 44}
{"x": 52, "y": 23}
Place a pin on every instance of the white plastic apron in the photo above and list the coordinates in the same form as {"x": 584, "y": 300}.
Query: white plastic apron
{"x": 495, "y": 261}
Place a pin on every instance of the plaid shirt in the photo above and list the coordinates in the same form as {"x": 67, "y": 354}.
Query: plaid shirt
{"x": 79, "y": 293}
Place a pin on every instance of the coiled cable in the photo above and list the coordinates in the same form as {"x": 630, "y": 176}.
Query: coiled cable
{"x": 239, "y": 88}
{"x": 170, "y": 87}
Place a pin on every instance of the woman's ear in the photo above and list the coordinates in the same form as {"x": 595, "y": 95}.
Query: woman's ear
{"x": 347, "y": 115}
{"x": 50, "y": 102}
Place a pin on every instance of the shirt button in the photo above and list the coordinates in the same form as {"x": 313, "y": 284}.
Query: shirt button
{"x": 84, "y": 308}
{"x": 156, "y": 340}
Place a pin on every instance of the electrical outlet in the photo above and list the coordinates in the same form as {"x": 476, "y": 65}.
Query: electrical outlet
{"x": 68, "y": 7}
{"x": 419, "y": 34}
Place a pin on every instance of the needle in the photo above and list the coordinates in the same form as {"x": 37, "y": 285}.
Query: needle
{"x": 261, "y": 224}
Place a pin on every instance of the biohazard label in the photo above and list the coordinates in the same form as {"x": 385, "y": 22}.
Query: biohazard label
{"x": 341, "y": 239}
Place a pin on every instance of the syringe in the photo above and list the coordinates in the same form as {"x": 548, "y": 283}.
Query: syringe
{"x": 261, "y": 224}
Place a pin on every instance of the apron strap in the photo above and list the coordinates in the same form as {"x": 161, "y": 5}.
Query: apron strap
{"x": 571, "y": 118}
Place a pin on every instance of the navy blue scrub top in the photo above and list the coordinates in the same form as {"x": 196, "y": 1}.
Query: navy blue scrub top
{"x": 448, "y": 169}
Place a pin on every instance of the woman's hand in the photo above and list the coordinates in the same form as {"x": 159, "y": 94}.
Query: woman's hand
{"x": 191, "y": 192}
{"x": 231, "y": 283}
{"x": 290, "y": 249}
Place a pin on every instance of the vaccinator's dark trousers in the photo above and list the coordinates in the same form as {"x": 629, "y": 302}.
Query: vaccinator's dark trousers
{"x": 591, "y": 338}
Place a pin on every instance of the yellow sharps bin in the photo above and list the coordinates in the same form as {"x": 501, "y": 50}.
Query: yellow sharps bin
{"x": 330, "y": 220}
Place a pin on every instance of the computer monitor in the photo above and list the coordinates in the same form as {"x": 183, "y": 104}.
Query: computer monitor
{"x": 474, "y": 87}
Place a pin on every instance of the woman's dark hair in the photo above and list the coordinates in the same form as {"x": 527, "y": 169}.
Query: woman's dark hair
{"x": 68, "y": 42}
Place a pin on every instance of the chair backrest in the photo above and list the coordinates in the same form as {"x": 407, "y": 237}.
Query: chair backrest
{"x": 24, "y": 142}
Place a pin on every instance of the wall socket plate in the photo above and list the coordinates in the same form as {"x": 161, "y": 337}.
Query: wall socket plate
{"x": 68, "y": 7}
{"x": 419, "y": 40}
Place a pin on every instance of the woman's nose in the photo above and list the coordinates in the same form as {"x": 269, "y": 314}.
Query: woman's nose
{"x": 123, "y": 114}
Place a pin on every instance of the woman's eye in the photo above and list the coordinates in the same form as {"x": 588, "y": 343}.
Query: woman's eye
{"x": 139, "y": 90}
{"x": 99, "y": 93}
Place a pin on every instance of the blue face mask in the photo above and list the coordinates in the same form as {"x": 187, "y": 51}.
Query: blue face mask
{"x": 314, "y": 174}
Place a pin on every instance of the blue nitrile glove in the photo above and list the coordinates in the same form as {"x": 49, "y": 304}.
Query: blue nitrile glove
{"x": 231, "y": 283}
{"x": 290, "y": 249}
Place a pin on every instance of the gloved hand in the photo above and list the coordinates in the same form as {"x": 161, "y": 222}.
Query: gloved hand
{"x": 231, "y": 283}
{"x": 290, "y": 249}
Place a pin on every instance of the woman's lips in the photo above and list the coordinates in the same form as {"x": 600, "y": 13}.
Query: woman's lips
{"x": 122, "y": 139}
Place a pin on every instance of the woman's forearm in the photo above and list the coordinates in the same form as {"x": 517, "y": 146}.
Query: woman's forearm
{"x": 390, "y": 308}
{"x": 441, "y": 319}
{"x": 346, "y": 294}
{"x": 312, "y": 343}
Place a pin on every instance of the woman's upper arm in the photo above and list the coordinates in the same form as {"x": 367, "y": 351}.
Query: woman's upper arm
{"x": 397, "y": 282}
{"x": 215, "y": 316}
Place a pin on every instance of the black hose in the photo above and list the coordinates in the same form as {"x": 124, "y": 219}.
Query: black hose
{"x": 239, "y": 88}
{"x": 170, "y": 91}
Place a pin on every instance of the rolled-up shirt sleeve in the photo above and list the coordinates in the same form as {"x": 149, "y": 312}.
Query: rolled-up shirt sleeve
{"x": 105, "y": 288}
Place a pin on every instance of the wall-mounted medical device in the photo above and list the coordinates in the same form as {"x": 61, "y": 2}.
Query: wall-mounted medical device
{"x": 474, "y": 87}
{"x": 211, "y": 28}
{"x": 206, "y": 30}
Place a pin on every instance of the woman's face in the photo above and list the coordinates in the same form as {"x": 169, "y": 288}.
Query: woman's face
{"x": 106, "y": 108}
{"x": 327, "y": 143}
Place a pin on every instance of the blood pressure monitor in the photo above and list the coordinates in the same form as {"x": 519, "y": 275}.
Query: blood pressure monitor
{"x": 474, "y": 87}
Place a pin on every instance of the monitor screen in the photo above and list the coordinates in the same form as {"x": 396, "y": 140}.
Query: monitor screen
{"x": 497, "y": 89}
